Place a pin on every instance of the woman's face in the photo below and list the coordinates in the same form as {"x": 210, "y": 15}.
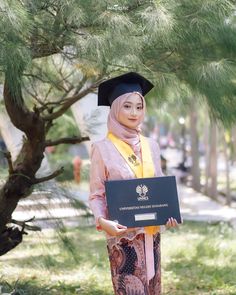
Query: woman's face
{"x": 131, "y": 112}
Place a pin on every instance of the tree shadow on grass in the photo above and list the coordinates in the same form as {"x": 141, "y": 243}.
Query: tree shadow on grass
{"x": 89, "y": 255}
{"x": 198, "y": 273}
{"x": 25, "y": 287}
{"x": 34, "y": 287}
{"x": 215, "y": 229}
{"x": 72, "y": 250}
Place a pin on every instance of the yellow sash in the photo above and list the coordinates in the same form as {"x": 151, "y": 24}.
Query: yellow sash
{"x": 141, "y": 169}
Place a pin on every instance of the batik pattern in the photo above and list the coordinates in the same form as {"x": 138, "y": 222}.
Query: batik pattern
{"x": 128, "y": 267}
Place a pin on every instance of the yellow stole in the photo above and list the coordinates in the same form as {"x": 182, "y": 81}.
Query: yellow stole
{"x": 141, "y": 169}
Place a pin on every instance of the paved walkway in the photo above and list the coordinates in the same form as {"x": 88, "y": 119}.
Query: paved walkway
{"x": 50, "y": 210}
{"x": 194, "y": 206}
{"x": 198, "y": 207}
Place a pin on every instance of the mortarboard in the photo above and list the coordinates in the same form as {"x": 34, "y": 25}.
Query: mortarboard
{"x": 109, "y": 90}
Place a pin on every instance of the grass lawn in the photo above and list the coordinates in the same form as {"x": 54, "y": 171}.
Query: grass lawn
{"x": 197, "y": 258}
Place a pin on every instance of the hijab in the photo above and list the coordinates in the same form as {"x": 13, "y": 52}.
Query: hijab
{"x": 128, "y": 135}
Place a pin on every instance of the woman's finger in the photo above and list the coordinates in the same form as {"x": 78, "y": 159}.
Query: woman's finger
{"x": 168, "y": 224}
{"x": 121, "y": 226}
{"x": 174, "y": 222}
{"x": 120, "y": 231}
{"x": 171, "y": 222}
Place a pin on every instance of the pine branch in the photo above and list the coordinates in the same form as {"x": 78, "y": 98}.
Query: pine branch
{"x": 64, "y": 79}
{"x": 34, "y": 96}
{"x": 80, "y": 85}
{"x": 48, "y": 125}
{"x": 51, "y": 176}
{"x": 167, "y": 56}
{"x": 66, "y": 140}
{"x": 24, "y": 225}
{"x": 36, "y": 77}
{"x": 29, "y": 122}
{"x": 56, "y": 84}
{"x": 43, "y": 50}
{"x": 70, "y": 101}
{"x": 50, "y": 104}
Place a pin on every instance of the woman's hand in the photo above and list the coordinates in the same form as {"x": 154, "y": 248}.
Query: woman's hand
{"x": 171, "y": 223}
{"x": 111, "y": 227}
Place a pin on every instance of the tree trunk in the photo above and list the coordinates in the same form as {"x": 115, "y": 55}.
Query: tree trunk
{"x": 13, "y": 139}
{"x": 207, "y": 157}
{"x": 234, "y": 143}
{"x": 23, "y": 168}
{"x": 22, "y": 171}
{"x": 227, "y": 173}
{"x": 212, "y": 191}
{"x": 195, "y": 170}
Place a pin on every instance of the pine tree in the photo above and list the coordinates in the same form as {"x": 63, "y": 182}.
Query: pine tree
{"x": 52, "y": 53}
{"x": 193, "y": 43}
{"x": 36, "y": 38}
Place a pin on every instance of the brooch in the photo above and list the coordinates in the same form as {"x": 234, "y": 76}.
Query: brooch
{"x": 133, "y": 160}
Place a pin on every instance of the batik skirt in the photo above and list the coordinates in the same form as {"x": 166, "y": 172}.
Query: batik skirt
{"x": 128, "y": 267}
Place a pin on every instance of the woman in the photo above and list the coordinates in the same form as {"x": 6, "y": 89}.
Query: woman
{"x": 134, "y": 253}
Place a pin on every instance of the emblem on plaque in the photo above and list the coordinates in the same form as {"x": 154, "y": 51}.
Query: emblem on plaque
{"x": 142, "y": 191}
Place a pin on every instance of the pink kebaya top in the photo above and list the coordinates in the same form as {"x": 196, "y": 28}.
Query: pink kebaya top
{"x": 108, "y": 164}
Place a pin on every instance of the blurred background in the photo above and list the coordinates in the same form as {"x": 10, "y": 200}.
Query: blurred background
{"x": 53, "y": 56}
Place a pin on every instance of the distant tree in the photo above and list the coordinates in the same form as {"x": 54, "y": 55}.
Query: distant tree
{"x": 193, "y": 43}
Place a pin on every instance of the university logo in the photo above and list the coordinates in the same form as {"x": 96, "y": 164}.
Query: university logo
{"x": 142, "y": 191}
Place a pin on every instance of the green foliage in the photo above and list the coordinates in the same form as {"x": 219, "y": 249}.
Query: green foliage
{"x": 191, "y": 43}
{"x": 68, "y": 171}
{"x": 206, "y": 257}
{"x": 198, "y": 258}
{"x": 65, "y": 126}
{"x": 3, "y": 172}
{"x": 61, "y": 158}
{"x": 14, "y": 27}
{"x": 85, "y": 172}
{"x": 171, "y": 42}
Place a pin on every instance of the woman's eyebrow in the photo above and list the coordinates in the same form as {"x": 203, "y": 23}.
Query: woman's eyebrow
{"x": 127, "y": 101}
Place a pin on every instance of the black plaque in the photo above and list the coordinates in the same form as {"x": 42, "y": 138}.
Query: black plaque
{"x": 143, "y": 201}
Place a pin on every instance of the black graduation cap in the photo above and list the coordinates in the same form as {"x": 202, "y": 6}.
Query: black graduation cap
{"x": 109, "y": 90}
